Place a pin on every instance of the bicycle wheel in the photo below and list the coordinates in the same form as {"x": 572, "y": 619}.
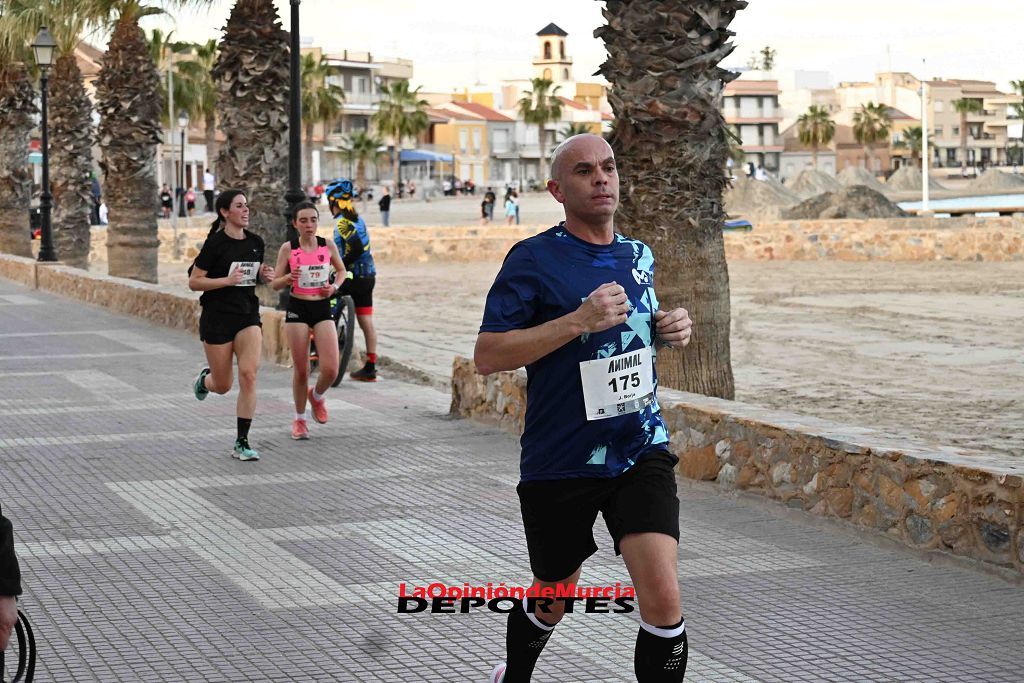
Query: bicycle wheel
{"x": 346, "y": 334}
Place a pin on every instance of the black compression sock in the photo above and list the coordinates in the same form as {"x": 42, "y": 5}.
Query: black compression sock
{"x": 661, "y": 652}
{"x": 243, "y": 427}
{"x": 524, "y": 642}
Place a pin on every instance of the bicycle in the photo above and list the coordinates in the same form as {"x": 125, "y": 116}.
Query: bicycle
{"x": 343, "y": 310}
{"x": 23, "y": 643}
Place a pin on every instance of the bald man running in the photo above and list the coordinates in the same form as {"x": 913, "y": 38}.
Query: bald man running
{"x": 595, "y": 440}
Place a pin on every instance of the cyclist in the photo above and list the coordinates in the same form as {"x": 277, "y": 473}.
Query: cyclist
{"x": 304, "y": 265}
{"x": 353, "y": 243}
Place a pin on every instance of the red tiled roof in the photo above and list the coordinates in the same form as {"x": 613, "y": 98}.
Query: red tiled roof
{"x": 451, "y": 110}
{"x": 483, "y": 111}
{"x": 573, "y": 103}
{"x": 752, "y": 87}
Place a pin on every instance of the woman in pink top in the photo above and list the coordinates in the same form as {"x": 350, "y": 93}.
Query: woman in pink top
{"x": 305, "y": 266}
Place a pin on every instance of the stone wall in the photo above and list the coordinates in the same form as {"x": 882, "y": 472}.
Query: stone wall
{"x": 967, "y": 238}
{"x": 134, "y": 298}
{"x": 883, "y": 239}
{"x": 927, "y": 497}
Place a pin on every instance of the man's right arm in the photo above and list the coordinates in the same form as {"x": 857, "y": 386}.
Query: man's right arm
{"x": 606, "y": 307}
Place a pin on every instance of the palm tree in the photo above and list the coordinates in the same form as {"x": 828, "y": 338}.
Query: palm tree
{"x": 252, "y": 81}
{"x": 69, "y": 119}
{"x": 1018, "y": 108}
{"x": 964, "y": 107}
{"x": 672, "y": 143}
{"x": 573, "y": 129}
{"x": 541, "y": 106}
{"x": 871, "y": 124}
{"x": 402, "y": 114}
{"x": 129, "y": 104}
{"x": 912, "y": 140}
{"x": 321, "y": 101}
{"x": 17, "y": 109}
{"x": 816, "y": 129}
{"x": 359, "y": 148}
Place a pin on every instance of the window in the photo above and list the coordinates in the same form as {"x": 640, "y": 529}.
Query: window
{"x": 477, "y": 141}
{"x": 347, "y": 79}
{"x": 750, "y": 107}
{"x": 547, "y": 49}
{"x": 565, "y": 74}
{"x": 362, "y": 84}
{"x": 938, "y": 131}
{"x": 951, "y": 155}
{"x": 937, "y": 105}
{"x": 956, "y": 130}
{"x": 547, "y": 74}
{"x": 463, "y": 140}
{"x": 561, "y": 48}
{"x": 500, "y": 141}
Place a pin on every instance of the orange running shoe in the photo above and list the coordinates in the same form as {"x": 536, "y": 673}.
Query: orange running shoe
{"x": 318, "y": 408}
{"x": 300, "y": 431}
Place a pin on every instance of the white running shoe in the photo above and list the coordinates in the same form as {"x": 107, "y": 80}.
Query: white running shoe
{"x": 497, "y": 673}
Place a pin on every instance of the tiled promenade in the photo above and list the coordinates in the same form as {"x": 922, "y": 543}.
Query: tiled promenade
{"x": 151, "y": 555}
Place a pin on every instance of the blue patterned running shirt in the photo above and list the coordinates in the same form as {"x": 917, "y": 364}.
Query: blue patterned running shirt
{"x": 546, "y": 277}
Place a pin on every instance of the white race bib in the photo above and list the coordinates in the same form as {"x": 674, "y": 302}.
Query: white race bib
{"x": 313, "y": 277}
{"x": 619, "y": 385}
{"x": 250, "y": 269}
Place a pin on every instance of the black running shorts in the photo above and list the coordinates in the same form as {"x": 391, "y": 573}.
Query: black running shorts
{"x": 218, "y": 327}
{"x": 361, "y": 291}
{"x": 559, "y": 514}
{"x": 308, "y": 312}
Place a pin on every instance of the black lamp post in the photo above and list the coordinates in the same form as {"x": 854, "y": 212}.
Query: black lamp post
{"x": 183, "y": 125}
{"x": 294, "y": 194}
{"x": 44, "y": 46}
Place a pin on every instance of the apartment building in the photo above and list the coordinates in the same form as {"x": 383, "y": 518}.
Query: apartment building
{"x": 750, "y": 106}
{"x": 987, "y": 130}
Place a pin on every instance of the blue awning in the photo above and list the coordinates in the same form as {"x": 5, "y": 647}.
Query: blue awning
{"x": 422, "y": 155}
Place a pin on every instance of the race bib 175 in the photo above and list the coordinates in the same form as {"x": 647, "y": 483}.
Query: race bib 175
{"x": 619, "y": 385}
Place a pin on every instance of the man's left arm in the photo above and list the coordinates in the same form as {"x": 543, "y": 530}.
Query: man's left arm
{"x": 672, "y": 328}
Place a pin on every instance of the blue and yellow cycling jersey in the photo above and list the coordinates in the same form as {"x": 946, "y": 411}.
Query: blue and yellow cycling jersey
{"x": 353, "y": 242}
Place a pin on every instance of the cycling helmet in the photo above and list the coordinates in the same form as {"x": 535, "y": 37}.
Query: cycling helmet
{"x": 339, "y": 190}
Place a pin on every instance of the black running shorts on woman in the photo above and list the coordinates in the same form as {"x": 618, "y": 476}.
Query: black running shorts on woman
{"x": 559, "y": 514}
{"x": 308, "y": 312}
{"x": 220, "y": 328}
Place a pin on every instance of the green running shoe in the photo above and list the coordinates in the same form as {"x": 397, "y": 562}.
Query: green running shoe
{"x": 243, "y": 451}
{"x": 198, "y": 388}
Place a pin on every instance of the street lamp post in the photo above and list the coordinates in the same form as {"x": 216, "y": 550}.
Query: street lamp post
{"x": 183, "y": 125}
{"x": 44, "y": 46}
{"x": 294, "y": 194}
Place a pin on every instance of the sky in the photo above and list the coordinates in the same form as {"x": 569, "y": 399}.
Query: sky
{"x": 455, "y": 43}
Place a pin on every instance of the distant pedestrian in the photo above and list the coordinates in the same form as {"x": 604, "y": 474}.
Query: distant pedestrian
{"x": 166, "y": 201}
{"x": 209, "y": 184}
{"x": 97, "y": 197}
{"x": 510, "y": 207}
{"x": 385, "y": 207}
{"x": 412, "y": 189}
{"x": 446, "y": 187}
{"x": 489, "y": 200}
{"x": 190, "y": 200}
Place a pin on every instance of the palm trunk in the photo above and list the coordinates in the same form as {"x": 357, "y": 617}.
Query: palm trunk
{"x": 543, "y": 155}
{"x": 71, "y": 155}
{"x": 671, "y": 144}
{"x": 17, "y": 107}
{"x": 814, "y": 157}
{"x": 395, "y": 161}
{"x": 210, "y": 135}
{"x": 963, "y": 143}
{"x": 252, "y": 79}
{"x": 128, "y": 90}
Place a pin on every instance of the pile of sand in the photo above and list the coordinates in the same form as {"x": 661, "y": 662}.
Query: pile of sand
{"x": 994, "y": 179}
{"x": 757, "y": 194}
{"x": 811, "y": 182}
{"x": 858, "y": 201}
{"x": 855, "y": 175}
{"x": 909, "y": 179}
